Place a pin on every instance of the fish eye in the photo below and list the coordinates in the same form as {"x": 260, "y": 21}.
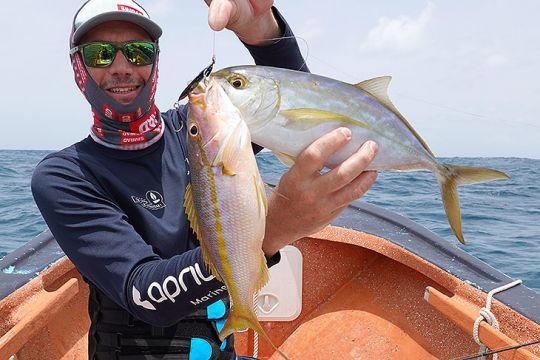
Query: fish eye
{"x": 238, "y": 82}
{"x": 193, "y": 130}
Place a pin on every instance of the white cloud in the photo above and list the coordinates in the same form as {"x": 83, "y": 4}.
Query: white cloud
{"x": 495, "y": 61}
{"x": 403, "y": 33}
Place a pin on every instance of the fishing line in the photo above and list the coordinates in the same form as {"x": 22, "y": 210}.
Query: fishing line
{"x": 514, "y": 122}
{"x": 202, "y": 75}
{"x": 438, "y": 105}
{"x": 308, "y": 55}
{"x": 508, "y": 348}
{"x": 214, "y": 48}
{"x": 276, "y": 39}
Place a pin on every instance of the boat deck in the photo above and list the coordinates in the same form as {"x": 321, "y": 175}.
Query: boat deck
{"x": 375, "y": 285}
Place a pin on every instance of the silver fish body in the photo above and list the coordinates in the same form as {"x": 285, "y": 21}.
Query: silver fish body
{"x": 287, "y": 110}
{"x": 281, "y": 91}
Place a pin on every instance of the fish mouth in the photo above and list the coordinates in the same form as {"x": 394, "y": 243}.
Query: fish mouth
{"x": 201, "y": 88}
{"x": 198, "y": 94}
{"x": 214, "y": 91}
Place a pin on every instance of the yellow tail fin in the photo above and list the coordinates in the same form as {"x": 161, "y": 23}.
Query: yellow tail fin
{"x": 449, "y": 178}
{"x": 242, "y": 320}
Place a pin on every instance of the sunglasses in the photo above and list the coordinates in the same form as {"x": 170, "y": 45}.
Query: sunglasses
{"x": 102, "y": 54}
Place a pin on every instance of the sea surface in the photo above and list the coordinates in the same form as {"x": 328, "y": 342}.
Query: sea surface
{"x": 501, "y": 219}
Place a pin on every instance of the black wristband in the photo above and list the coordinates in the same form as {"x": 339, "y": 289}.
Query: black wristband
{"x": 273, "y": 260}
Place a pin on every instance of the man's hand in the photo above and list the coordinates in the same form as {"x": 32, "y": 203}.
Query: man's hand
{"x": 305, "y": 201}
{"x": 251, "y": 20}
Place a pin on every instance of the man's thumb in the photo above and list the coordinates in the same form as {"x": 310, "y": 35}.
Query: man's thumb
{"x": 219, "y": 14}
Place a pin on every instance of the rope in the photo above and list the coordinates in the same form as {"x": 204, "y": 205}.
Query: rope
{"x": 256, "y": 334}
{"x": 487, "y": 315}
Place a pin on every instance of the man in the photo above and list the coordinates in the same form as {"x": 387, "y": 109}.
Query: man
{"x": 114, "y": 200}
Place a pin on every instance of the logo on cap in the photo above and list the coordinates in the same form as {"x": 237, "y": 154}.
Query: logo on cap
{"x": 129, "y": 9}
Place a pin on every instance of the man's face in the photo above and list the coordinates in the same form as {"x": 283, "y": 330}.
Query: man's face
{"x": 122, "y": 80}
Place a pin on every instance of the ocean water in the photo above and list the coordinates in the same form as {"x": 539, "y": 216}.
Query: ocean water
{"x": 20, "y": 219}
{"x": 501, "y": 219}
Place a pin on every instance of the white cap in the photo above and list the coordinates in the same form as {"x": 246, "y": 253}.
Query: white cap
{"x": 95, "y": 12}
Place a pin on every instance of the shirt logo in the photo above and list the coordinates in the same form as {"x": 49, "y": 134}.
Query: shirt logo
{"x": 173, "y": 286}
{"x": 153, "y": 201}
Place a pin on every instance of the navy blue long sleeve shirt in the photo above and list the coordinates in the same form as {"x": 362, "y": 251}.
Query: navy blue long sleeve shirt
{"x": 119, "y": 216}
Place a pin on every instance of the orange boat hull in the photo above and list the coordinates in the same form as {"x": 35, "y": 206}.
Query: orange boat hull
{"x": 363, "y": 298}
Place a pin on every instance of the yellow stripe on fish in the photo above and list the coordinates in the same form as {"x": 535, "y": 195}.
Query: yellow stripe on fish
{"x": 287, "y": 110}
{"x": 226, "y": 202}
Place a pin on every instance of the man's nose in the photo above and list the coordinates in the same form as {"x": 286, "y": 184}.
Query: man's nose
{"x": 121, "y": 66}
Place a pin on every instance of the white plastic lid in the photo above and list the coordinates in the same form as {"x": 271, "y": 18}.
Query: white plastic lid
{"x": 281, "y": 298}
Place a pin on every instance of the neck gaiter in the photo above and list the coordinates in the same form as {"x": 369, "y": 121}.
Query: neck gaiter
{"x": 131, "y": 126}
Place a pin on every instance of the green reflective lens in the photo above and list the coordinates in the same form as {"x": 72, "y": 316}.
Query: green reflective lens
{"x": 140, "y": 53}
{"x": 98, "y": 55}
{"x": 102, "y": 54}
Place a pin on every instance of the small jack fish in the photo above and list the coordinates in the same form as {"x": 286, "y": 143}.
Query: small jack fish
{"x": 226, "y": 202}
{"x": 287, "y": 110}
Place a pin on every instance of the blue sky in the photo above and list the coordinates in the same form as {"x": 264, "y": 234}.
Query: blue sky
{"x": 465, "y": 73}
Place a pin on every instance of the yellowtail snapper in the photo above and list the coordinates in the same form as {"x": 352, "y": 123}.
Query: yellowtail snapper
{"x": 226, "y": 202}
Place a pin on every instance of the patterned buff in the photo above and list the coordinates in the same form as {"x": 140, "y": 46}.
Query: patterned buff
{"x": 126, "y": 127}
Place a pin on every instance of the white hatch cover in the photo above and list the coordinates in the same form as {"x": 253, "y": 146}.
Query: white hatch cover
{"x": 281, "y": 298}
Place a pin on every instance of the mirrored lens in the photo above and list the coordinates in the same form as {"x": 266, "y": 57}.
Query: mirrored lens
{"x": 140, "y": 52}
{"x": 98, "y": 55}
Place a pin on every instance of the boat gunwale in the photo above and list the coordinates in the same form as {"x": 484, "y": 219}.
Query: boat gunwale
{"x": 43, "y": 251}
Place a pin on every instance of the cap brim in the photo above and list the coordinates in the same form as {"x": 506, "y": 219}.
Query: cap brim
{"x": 153, "y": 29}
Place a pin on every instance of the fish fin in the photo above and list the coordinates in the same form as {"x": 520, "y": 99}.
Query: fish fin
{"x": 229, "y": 153}
{"x": 264, "y": 275}
{"x": 227, "y": 171}
{"x": 209, "y": 266}
{"x": 378, "y": 88}
{"x": 191, "y": 212}
{"x": 306, "y": 118}
{"x": 243, "y": 319}
{"x": 449, "y": 178}
{"x": 258, "y": 184}
{"x": 285, "y": 159}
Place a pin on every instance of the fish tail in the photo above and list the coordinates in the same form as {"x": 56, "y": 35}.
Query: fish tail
{"x": 449, "y": 178}
{"x": 239, "y": 320}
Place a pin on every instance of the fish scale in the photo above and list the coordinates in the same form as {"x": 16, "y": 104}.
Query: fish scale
{"x": 225, "y": 201}
{"x": 296, "y": 108}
